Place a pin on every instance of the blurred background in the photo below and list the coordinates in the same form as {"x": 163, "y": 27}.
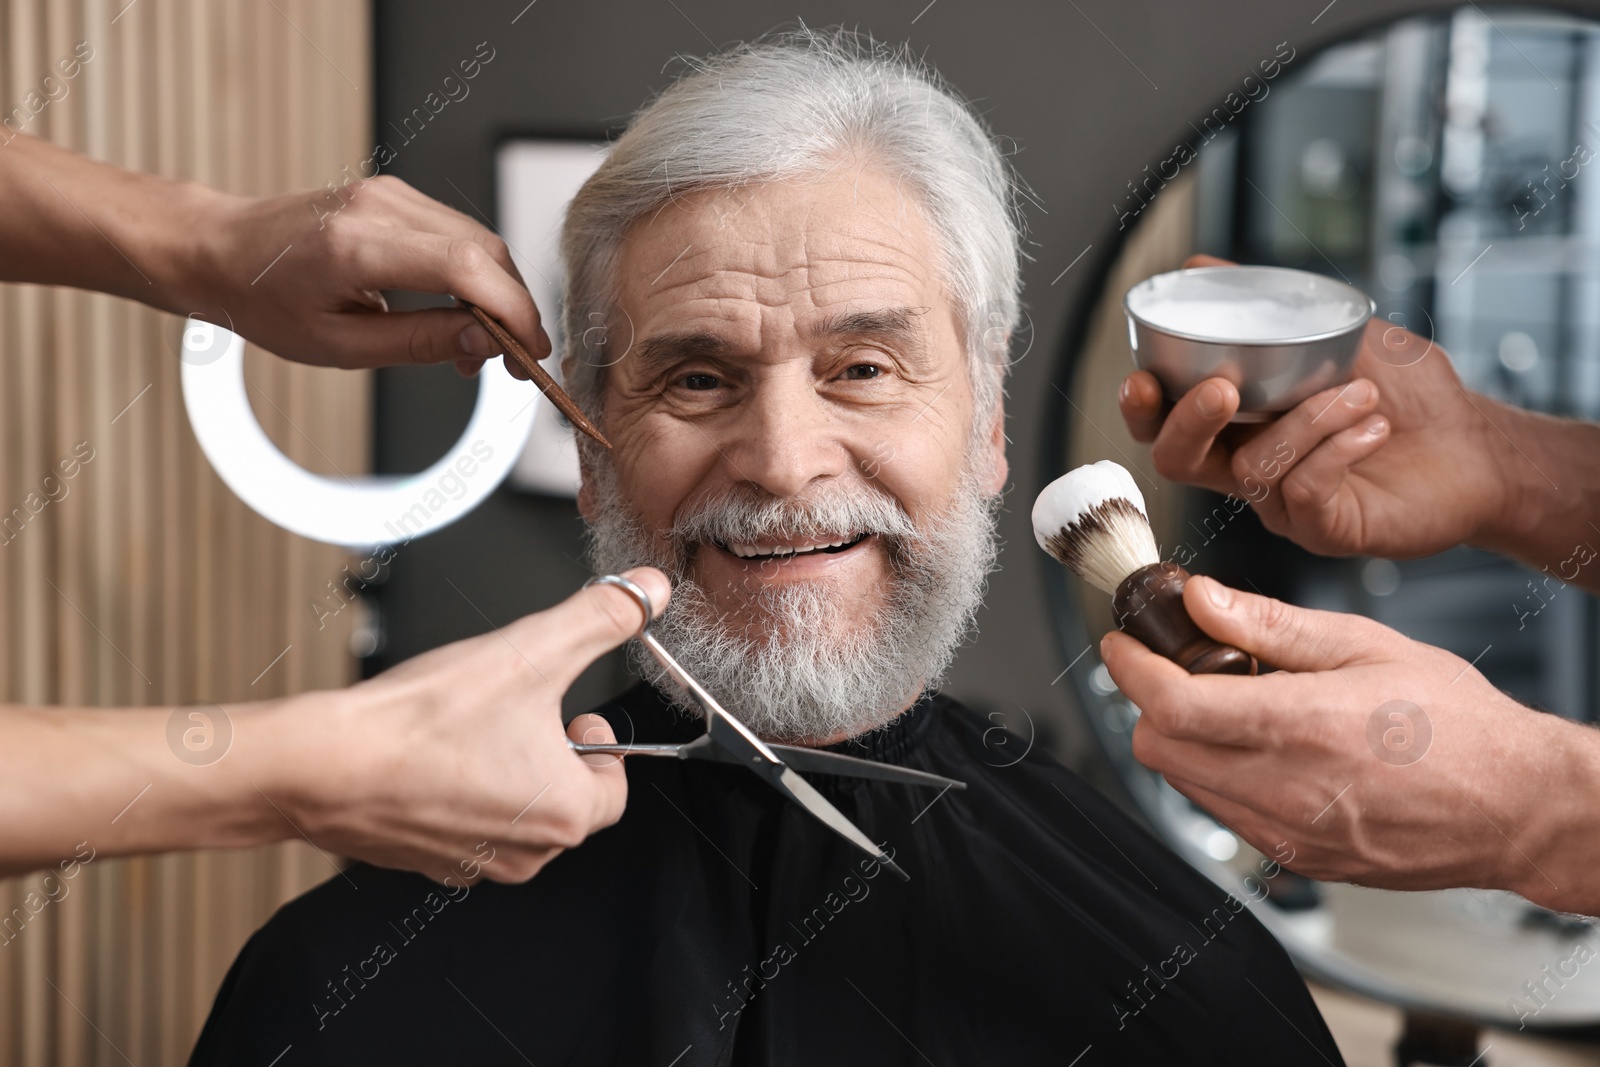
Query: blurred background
{"x": 1436, "y": 155}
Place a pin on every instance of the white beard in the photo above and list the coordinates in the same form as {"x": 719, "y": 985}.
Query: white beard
{"x": 797, "y": 665}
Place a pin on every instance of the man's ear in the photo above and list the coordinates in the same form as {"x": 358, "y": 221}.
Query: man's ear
{"x": 999, "y": 470}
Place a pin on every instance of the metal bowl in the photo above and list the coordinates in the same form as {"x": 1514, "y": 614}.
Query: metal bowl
{"x": 1278, "y": 335}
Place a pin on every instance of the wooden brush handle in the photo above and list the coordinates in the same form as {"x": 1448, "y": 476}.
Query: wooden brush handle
{"x": 547, "y": 385}
{"x": 1149, "y": 605}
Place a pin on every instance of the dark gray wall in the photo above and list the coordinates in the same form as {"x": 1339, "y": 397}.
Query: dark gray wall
{"x": 1088, "y": 91}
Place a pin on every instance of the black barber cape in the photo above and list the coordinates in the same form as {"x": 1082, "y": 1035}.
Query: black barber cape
{"x": 718, "y": 923}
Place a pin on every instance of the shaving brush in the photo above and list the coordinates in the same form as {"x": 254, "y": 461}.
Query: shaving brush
{"x": 1093, "y": 521}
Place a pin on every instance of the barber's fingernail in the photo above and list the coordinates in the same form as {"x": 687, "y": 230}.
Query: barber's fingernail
{"x": 1358, "y": 393}
{"x": 1376, "y": 429}
{"x": 475, "y": 341}
{"x": 1125, "y": 390}
{"x": 1219, "y": 595}
{"x": 1105, "y": 639}
{"x": 1209, "y": 400}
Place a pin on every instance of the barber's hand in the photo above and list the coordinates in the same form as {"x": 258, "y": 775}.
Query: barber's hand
{"x": 1461, "y": 786}
{"x": 1400, "y": 462}
{"x": 320, "y": 302}
{"x": 464, "y": 745}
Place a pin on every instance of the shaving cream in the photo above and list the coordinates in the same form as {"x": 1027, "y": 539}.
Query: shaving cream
{"x": 1247, "y": 305}
{"x": 1068, "y": 498}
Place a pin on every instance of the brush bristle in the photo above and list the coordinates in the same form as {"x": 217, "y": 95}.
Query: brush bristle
{"x": 1092, "y": 519}
{"x": 1109, "y": 541}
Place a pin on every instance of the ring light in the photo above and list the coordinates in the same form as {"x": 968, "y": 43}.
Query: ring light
{"x": 358, "y": 513}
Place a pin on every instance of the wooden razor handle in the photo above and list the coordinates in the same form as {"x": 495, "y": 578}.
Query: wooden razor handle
{"x": 1149, "y": 606}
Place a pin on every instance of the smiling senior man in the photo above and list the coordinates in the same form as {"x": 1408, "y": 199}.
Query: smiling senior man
{"x": 782, "y": 276}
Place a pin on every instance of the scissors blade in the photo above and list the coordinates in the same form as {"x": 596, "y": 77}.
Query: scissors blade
{"x": 673, "y": 750}
{"x": 700, "y": 748}
{"x": 736, "y": 743}
{"x": 801, "y": 759}
{"x": 820, "y": 761}
{"x": 801, "y": 792}
{"x": 785, "y": 779}
{"x": 732, "y": 742}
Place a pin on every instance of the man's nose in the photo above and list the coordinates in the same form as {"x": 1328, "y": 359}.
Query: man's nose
{"x": 785, "y": 438}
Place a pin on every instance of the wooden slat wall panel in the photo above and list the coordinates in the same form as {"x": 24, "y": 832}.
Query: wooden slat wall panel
{"x": 149, "y": 583}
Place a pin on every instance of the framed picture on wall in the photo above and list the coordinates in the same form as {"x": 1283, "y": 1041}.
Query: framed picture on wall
{"x": 535, "y": 179}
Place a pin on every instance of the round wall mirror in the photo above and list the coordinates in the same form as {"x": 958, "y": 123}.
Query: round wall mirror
{"x": 1445, "y": 164}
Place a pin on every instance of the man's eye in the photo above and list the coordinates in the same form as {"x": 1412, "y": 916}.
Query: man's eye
{"x": 700, "y": 381}
{"x": 862, "y": 372}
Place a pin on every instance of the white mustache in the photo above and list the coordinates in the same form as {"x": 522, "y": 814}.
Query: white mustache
{"x": 748, "y": 516}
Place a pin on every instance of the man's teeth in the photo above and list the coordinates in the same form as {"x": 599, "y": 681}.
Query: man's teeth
{"x": 751, "y": 551}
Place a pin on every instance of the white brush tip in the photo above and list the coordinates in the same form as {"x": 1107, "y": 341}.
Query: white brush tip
{"x": 1067, "y": 499}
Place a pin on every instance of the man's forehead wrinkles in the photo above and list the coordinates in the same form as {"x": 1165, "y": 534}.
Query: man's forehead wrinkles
{"x": 699, "y": 266}
{"x": 825, "y": 281}
{"x": 772, "y": 255}
{"x": 768, "y": 258}
{"x": 772, "y": 271}
{"x": 770, "y": 231}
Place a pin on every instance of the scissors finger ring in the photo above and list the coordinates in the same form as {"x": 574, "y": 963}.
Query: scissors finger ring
{"x": 633, "y": 589}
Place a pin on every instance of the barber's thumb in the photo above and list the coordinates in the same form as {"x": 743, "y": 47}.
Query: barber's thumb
{"x": 598, "y": 618}
{"x": 1285, "y": 636}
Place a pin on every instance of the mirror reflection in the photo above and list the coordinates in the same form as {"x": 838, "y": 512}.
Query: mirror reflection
{"x": 1445, "y": 165}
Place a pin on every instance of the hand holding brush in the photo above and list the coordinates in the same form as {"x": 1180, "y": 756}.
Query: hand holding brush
{"x": 1093, "y": 521}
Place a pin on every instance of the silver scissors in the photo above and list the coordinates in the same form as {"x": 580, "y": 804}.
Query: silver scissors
{"x": 727, "y": 740}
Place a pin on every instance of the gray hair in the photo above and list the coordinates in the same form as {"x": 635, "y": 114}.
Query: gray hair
{"x": 787, "y": 106}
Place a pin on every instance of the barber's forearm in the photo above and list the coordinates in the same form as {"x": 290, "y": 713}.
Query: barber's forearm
{"x": 1557, "y": 863}
{"x": 125, "y": 781}
{"x": 71, "y": 220}
{"x": 1552, "y": 519}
